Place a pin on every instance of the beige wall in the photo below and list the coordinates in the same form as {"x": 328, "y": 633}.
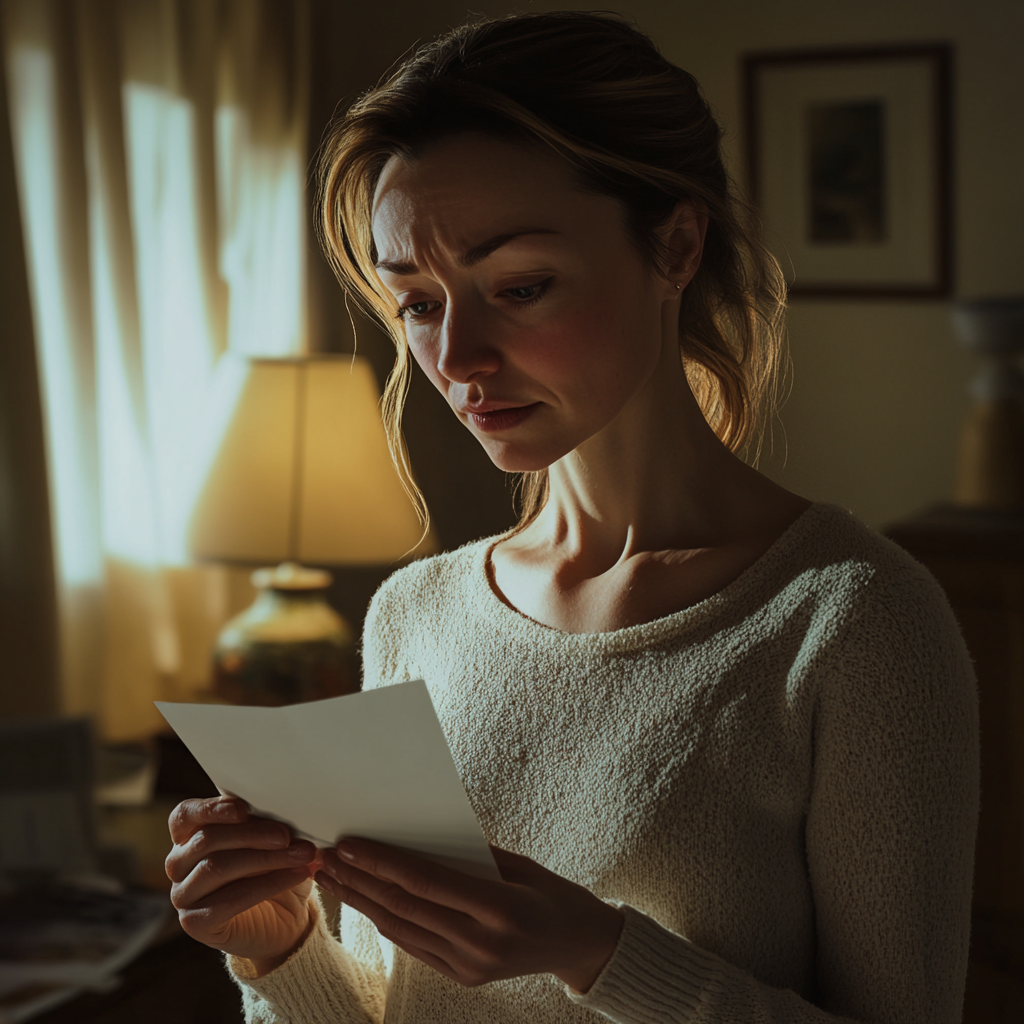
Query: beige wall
{"x": 879, "y": 387}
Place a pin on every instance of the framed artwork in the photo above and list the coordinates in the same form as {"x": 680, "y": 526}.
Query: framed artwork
{"x": 849, "y": 162}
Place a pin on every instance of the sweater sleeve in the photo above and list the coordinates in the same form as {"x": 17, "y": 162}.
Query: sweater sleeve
{"x": 321, "y": 982}
{"x": 889, "y": 843}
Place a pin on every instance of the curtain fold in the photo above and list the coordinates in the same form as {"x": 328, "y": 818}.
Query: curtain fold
{"x": 28, "y": 635}
{"x": 155, "y": 238}
{"x": 42, "y": 84}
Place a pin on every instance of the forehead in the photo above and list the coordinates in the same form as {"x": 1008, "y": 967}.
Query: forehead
{"x": 469, "y": 187}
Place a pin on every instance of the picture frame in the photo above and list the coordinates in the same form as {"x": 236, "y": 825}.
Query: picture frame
{"x": 849, "y": 161}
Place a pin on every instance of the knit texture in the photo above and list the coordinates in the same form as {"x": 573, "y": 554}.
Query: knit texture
{"x": 298, "y": 994}
{"x": 778, "y": 785}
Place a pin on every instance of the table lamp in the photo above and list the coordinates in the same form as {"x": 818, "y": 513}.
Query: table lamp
{"x": 298, "y": 472}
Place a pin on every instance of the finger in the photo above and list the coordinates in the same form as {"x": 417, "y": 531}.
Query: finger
{"x": 453, "y": 925}
{"x": 192, "y": 814}
{"x": 471, "y": 965}
{"x": 393, "y": 926}
{"x": 430, "y": 959}
{"x": 417, "y": 875}
{"x": 221, "y": 869}
{"x": 256, "y": 834}
{"x": 206, "y": 919}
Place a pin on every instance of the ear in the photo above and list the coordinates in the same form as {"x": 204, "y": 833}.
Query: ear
{"x": 683, "y": 237}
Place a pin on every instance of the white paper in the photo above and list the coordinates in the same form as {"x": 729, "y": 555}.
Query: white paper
{"x": 374, "y": 764}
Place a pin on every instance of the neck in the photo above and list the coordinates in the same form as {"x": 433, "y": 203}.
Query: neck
{"x": 656, "y": 478}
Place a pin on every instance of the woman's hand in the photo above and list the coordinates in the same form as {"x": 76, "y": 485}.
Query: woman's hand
{"x": 240, "y": 884}
{"x": 473, "y": 930}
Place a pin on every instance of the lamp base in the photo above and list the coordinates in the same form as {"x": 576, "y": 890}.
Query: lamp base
{"x": 289, "y": 646}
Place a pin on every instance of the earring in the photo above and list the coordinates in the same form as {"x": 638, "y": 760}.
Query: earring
{"x": 679, "y": 287}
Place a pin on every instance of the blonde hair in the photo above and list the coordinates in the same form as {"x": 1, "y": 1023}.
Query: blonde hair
{"x": 634, "y": 127}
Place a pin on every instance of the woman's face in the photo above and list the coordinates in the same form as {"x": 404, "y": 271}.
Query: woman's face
{"x": 522, "y": 298}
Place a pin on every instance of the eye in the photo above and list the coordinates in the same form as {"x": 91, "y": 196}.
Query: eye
{"x": 527, "y": 294}
{"x": 417, "y": 310}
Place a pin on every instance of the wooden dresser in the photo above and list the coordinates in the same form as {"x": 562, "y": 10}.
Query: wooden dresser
{"x": 979, "y": 560}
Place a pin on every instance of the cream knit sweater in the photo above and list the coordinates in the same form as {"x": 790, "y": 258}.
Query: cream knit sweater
{"x": 779, "y": 785}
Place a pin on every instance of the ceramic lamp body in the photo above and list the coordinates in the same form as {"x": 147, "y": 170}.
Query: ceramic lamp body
{"x": 288, "y": 646}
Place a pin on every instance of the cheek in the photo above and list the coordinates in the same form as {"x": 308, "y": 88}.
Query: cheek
{"x": 424, "y": 357}
{"x": 598, "y": 351}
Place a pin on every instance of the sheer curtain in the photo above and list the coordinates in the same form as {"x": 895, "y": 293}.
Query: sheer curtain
{"x": 160, "y": 150}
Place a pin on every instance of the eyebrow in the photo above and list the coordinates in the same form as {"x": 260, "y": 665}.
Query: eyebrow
{"x": 471, "y": 256}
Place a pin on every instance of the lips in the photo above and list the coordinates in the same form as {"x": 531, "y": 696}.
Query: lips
{"x": 496, "y": 419}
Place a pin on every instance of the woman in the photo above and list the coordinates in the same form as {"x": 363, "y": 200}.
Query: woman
{"x": 723, "y": 739}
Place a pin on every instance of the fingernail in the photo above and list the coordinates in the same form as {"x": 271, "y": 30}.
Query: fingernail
{"x": 228, "y": 809}
{"x": 279, "y": 837}
{"x": 300, "y": 851}
{"x": 345, "y": 850}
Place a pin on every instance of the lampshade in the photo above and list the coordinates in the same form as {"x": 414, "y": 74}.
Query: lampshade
{"x": 299, "y": 468}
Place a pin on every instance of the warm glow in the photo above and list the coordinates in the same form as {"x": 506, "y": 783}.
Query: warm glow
{"x": 301, "y": 469}
{"x": 161, "y": 180}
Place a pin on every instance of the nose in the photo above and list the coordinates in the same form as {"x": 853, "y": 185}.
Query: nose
{"x": 464, "y": 352}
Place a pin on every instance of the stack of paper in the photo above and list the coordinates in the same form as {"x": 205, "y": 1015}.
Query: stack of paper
{"x": 57, "y": 941}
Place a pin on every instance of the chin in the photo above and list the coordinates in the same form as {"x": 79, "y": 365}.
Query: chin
{"x": 513, "y": 458}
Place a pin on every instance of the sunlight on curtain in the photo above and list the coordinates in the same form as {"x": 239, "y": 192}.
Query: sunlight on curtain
{"x": 49, "y": 173}
{"x": 262, "y": 259}
{"x": 178, "y": 350}
{"x": 190, "y": 173}
{"x": 63, "y": 351}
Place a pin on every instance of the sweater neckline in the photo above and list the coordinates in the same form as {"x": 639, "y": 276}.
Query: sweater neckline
{"x": 644, "y": 633}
